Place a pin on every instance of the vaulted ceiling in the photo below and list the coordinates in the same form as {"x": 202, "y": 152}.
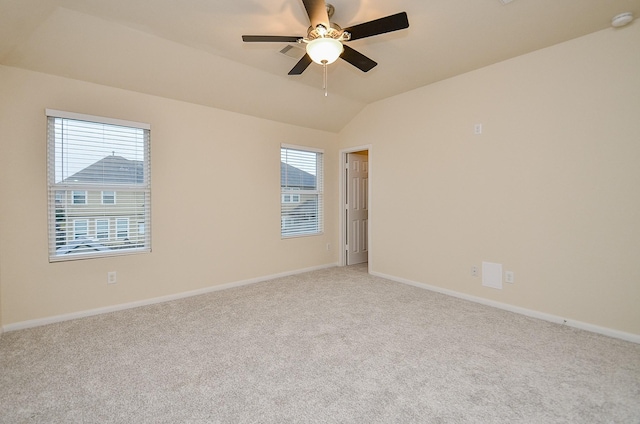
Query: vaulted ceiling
{"x": 192, "y": 50}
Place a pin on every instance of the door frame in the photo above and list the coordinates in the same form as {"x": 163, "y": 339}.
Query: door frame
{"x": 343, "y": 193}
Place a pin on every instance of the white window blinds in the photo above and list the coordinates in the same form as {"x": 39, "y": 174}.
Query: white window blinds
{"x": 301, "y": 210}
{"x": 99, "y": 186}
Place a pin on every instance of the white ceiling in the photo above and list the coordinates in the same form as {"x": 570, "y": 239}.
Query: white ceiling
{"x": 192, "y": 50}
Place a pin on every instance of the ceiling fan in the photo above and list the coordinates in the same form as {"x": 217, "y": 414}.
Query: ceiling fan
{"x": 325, "y": 39}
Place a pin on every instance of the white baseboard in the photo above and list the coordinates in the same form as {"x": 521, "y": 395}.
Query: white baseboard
{"x": 630, "y": 337}
{"x": 107, "y": 309}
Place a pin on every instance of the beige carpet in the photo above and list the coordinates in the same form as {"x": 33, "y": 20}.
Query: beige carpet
{"x": 335, "y": 345}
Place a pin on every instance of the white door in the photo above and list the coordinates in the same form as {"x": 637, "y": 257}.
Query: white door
{"x": 357, "y": 208}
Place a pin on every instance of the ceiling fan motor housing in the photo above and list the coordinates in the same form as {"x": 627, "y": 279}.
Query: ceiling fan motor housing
{"x": 322, "y": 32}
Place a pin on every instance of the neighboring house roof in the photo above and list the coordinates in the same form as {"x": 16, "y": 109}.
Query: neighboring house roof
{"x": 308, "y": 207}
{"x": 111, "y": 169}
{"x": 83, "y": 244}
{"x": 290, "y": 176}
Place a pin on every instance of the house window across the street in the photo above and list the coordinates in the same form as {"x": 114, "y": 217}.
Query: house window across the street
{"x": 102, "y": 229}
{"x": 80, "y": 229}
{"x": 122, "y": 228}
{"x": 108, "y": 197}
{"x": 291, "y": 198}
{"x": 300, "y": 191}
{"x": 79, "y": 197}
{"x": 99, "y": 186}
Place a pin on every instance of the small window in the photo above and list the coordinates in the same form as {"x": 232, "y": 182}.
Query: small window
{"x": 102, "y": 229}
{"x": 79, "y": 197}
{"x": 108, "y": 197}
{"x": 99, "y": 185}
{"x": 290, "y": 198}
{"x": 301, "y": 212}
{"x": 60, "y": 197}
{"x": 80, "y": 229}
{"x": 122, "y": 228}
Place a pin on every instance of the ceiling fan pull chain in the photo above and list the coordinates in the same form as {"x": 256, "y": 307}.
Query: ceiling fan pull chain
{"x": 324, "y": 77}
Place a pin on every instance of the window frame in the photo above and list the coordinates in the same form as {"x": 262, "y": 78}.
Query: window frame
{"x": 300, "y": 193}
{"x": 127, "y": 229}
{"x": 100, "y": 233}
{"x": 113, "y": 196}
{"x": 290, "y": 197}
{"x": 61, "y": 191}
{"x": 79, "y": 194}
{"x": 76, "y": 221}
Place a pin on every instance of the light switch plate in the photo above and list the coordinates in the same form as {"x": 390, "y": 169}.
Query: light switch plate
{"x": 508, "y": 277}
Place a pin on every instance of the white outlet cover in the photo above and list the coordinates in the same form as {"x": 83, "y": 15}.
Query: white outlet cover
{"x": 508, "y": 276}
{"x": 492, "y": 275}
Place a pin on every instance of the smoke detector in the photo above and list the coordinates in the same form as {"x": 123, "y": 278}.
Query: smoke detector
{"x": 621, "y": 19}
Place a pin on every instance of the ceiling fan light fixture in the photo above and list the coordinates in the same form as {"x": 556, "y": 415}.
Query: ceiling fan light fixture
{"x": 324, "y": 51}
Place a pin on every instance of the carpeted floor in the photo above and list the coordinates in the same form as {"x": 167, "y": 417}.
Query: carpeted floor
{"x": 335, "y": 345}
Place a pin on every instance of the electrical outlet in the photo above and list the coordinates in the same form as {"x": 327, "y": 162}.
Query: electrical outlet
{"x": 111, "y": 277}
{"x": 328, "y": 246}
{"x": 474, "y": 271}
{"x": 508, "y": 277}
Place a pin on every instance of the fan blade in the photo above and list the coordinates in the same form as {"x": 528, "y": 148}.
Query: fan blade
{"x": 357, "y": 59}
{"x": 317, "y": 11}
{"x": 269, "y": 39}
{"x": 301, "y": 65}
{"x": 379, "y": 26}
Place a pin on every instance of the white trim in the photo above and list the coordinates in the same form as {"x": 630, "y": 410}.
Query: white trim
{"x": 101, "y": 119}
{"x": 303, "y": 148}
{"x": 108, "y": 309}
{"x": 101, "y": 254}
{"x": 630, "y": 337}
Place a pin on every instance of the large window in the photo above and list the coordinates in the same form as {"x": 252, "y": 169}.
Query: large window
{"x": 93, "y": 161}
{"x": 301, "y": 191}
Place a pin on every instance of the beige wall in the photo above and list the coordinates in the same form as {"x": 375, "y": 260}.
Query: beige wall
{"x": 550, "y": 189}
{"x": 215, "y": 200}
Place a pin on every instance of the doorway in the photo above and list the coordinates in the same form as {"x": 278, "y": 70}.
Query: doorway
{"x": 355, "y": 206}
